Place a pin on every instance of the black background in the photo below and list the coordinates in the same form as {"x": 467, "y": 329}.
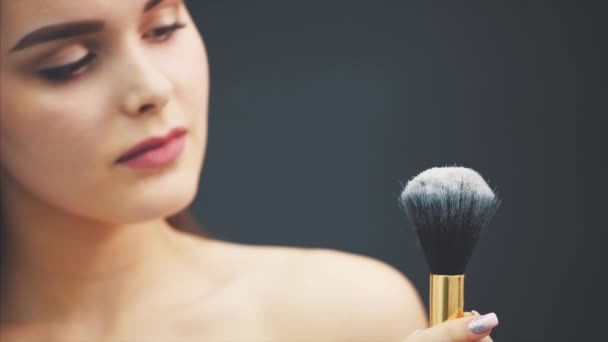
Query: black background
{"x": 321, "y": 109}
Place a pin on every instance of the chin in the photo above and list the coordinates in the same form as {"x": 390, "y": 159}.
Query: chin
{"x": 170, "y": 203}
{"x": 159, "y": 195}
{"x": 151, "y": 201}
{"x": 151, "y": 212}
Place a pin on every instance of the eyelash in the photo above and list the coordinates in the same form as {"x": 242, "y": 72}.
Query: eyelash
{"x": 67, "y": 72}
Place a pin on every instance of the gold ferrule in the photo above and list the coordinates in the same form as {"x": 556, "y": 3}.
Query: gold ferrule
{"x": 446, "y": 298}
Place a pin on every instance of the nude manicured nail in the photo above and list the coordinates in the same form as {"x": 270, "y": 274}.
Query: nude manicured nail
{"x": 484, "y": 323}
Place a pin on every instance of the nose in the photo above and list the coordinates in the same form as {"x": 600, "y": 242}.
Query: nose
{"x": 146, "y": 87}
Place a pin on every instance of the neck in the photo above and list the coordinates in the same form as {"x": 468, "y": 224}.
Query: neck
{"x": 63, "y": 268}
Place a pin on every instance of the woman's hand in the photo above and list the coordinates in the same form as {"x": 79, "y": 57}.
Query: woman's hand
{"x": 472, "y": 327}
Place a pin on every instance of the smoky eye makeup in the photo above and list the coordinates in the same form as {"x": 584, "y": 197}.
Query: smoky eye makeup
{"x": 79, "y": 56}
{"x": 158, "y": 34}
{"x": 66, "y": 70}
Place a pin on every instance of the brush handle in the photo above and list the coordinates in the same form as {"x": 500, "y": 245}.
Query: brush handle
{"x": 446, "y": 298}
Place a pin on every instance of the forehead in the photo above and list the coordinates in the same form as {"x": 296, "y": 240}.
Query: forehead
{"x": 18, "y": 17}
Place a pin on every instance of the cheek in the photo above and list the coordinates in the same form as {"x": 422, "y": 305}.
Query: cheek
{"x": 35, "y": 135}
{"x": 39, "y": 151}
{"x": 191, "y": 76}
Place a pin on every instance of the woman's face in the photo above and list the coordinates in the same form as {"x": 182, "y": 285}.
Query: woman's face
{"x": 63, "y": 127}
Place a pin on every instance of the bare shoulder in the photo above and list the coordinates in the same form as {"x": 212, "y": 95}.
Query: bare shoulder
{"x": 314, "y": 294}
{"x": 334, "y": 295}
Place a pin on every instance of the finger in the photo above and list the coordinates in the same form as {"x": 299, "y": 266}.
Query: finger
{"x": 472, "y": 313}
{"x": 417, "y": 332}
{"x": 466, "y": 329}
{"x": 487, "y": 339}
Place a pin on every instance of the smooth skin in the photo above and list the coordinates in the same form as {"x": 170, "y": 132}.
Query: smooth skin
{"x": 87, "y": 252}
{"x": 451, "y": 331}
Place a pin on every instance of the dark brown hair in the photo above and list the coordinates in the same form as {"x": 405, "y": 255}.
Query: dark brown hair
{"x": 186, "y": 222}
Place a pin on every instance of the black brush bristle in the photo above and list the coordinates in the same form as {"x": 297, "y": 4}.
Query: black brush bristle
{"x": 448, "y": 206}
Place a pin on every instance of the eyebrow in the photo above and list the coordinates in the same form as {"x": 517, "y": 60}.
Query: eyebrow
{"x": 67, "y": 30}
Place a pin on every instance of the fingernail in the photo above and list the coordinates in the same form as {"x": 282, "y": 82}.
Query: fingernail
{"x": 484, "y": 323}
{"x": 417, "y": 331}
{"x": 475, "y": 312}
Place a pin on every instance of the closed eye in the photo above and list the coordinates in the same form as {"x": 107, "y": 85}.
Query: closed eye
{"x": 164, "y": 30}
{"x": 69, "y": 71}
{"x": 66, "y": 71}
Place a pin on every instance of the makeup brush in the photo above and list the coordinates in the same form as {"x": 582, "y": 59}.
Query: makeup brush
{"x": 448, "y": 206}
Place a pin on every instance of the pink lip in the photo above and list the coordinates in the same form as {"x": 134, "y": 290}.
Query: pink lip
{"x": 155, "y": 151}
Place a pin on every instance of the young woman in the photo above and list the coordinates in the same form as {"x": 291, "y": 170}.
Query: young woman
{"x": 103, "y": 133}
